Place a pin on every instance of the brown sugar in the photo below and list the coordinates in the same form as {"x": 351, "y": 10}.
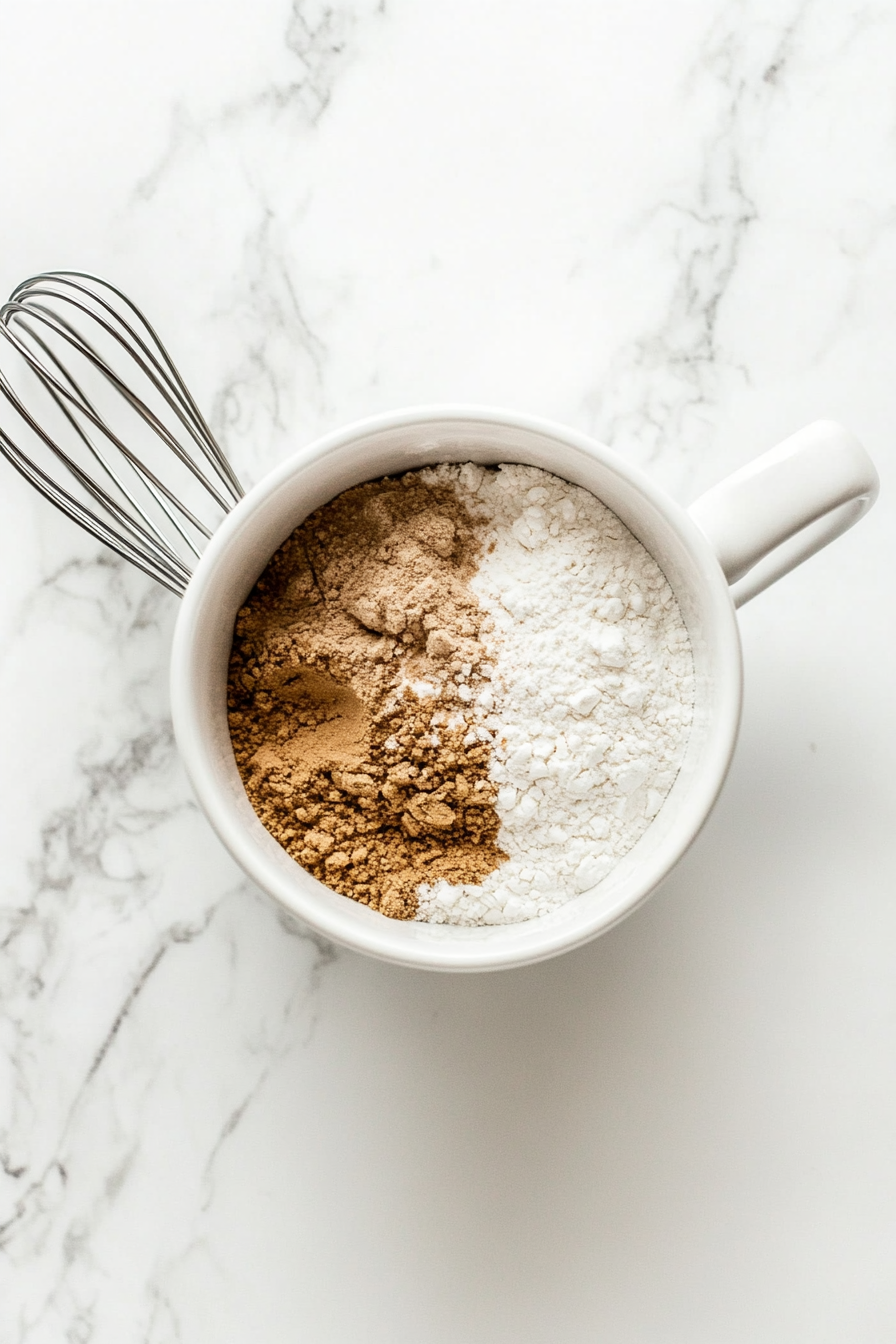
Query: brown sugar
{"x": 354, "y": 672}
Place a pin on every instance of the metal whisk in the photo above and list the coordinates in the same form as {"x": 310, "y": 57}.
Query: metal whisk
{"x": 103, "y": 425}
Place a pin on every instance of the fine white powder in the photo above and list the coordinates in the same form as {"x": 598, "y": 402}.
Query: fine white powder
{"x": 591, "y": 696}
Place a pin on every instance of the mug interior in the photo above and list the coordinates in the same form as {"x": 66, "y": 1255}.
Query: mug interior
{"x": 393, "y": 444}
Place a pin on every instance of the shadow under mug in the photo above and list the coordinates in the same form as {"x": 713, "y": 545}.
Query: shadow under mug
{"x": 746, "y": 532}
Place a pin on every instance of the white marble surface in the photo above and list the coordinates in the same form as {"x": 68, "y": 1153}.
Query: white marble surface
{"x": 674, "y": 226}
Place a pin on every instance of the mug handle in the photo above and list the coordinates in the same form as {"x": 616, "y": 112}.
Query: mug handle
{"x": 786, "y": 505}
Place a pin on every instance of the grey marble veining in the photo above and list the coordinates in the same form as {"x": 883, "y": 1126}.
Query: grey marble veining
{"x": 674, "y": 227}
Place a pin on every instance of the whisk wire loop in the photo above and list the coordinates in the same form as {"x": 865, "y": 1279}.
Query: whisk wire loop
{"x": 98, "y": 455}
{"x": 174, "y": 575}
{"x": 166, "y": 367}
{"x": 136, "y": 452}
{"x": 83, "y": 347}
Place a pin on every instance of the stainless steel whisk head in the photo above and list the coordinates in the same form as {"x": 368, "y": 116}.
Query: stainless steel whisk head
{"x": 99, "y": 420}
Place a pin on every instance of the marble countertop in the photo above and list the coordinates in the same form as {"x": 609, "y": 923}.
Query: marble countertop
{"x": 673, "y": 227}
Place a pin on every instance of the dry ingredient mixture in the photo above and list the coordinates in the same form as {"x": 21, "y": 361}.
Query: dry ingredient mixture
{"x": 460, "y": 696}
{"x": 353, "y": 666}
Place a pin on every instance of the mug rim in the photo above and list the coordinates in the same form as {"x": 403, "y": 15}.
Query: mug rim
{"x": 447, "y": 953}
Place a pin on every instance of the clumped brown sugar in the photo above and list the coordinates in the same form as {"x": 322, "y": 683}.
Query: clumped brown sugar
{"x": 354, "y": 663}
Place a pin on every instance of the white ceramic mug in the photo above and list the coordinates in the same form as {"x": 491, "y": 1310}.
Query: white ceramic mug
{"x": 748, "y": 531}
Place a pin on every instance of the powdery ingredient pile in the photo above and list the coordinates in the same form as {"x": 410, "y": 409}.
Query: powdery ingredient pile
{"x": 593, "y": 690}
{"x": 352, "y": 670}
{"x": 461, "y": 696}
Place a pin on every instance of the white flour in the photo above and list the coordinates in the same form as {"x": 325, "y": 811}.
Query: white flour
{"x": 591, "y": 697}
